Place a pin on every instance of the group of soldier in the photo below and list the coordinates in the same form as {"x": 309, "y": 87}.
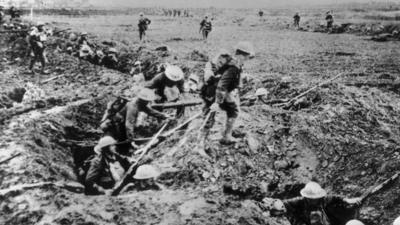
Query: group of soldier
{"x": 176, "y": 12}
{"x": 329, "y": 20}
{"x": 219, "y": 90}
{"x": 13, "y": 12}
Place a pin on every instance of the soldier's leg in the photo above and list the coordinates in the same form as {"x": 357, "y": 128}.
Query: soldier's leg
{"x": 93, "y": 175}
{"x": 232, "y": 112}
{"x": 42, "y": 59}
{"x": 33, "y": 60}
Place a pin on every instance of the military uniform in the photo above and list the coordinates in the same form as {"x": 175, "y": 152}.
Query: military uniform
{"x": 296, "y": 20}
{"x": 37, "y": 42}
{"x": 143, "y": 25}
{"x": 329, "y": 21}
{"x": 227, "y": 90}
{"x": 205, "y": 27}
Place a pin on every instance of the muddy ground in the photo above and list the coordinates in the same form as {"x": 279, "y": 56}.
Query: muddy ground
{"x": 344, "y": 135}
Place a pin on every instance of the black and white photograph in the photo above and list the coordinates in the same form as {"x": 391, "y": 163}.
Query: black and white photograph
{"x": 199, "y": 112}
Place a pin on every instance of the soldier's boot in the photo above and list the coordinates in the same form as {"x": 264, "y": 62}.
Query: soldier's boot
{"x": 227, "y": 138}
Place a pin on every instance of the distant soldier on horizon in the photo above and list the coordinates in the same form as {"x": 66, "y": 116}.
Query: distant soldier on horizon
{"x": 143, "y": 26}
{"x": 329, "y": 20}
{"x": 205, "y": 27}
{"x": 296, "y": 18}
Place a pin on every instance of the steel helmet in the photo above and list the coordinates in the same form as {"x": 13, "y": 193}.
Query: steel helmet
{"x": 354, "y": 222}
{"x": 103, "y": 142}
{"x": 112, "y": 50}
{"x": 261, "y": 92}
{"x": 84, "y": 33}
{"x": 141, "y": 14}
{"x": 245, "y": 47}
{"x": 222, "y": 52}
{"x": 137, "y": 63}
{"x": 40, "y": 24}
{"x": 313, "y": 190}
{"x": 147, "y": 94}
{"x": 146, "y": 172}
{"x": 397, "y": 221}
{"x": 174, "y": 73}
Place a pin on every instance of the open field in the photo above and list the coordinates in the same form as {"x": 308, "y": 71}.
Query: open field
{"x": 344, "y": 134}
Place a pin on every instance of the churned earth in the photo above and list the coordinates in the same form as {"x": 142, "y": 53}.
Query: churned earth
{"x": 344, "y": 134}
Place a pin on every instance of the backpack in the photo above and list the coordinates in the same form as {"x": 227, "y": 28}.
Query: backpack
{"x": 114, "y": 107}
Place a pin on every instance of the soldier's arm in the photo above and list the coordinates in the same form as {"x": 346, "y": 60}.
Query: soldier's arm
{"x": 181, "y": 86}
{"x": 293, "y": 204}
{"x": 152, "y": 112}
{"x": 155, "y": 82}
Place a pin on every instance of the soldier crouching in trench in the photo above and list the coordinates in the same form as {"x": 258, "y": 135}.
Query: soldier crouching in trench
{"x": 315, "y": 207}
{"x": 107, "y": 167}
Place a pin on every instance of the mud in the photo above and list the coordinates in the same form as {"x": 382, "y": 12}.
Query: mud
{"x": 343, "y": 134}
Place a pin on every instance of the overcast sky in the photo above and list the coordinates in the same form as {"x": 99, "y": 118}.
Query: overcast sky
{"x": 221, "y": 3}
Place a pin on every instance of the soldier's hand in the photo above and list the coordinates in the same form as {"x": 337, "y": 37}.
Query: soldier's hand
{"x": 170, "y": 118}
{"x": 134, "y": 145}
{"x": 214, "y": 107}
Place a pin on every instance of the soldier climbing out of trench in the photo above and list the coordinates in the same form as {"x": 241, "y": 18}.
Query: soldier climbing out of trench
{"x": 227, "y": 91}
{"x": 169, "y": 85}
{"x": 212, "y": 73}
{"x": 143, "y": 24}
{"x": 37, "y": 39}
{"x": 315, "y": 207}
{"x": 122, "y": 116}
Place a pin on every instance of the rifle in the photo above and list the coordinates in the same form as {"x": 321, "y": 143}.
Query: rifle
{"x": 379, "y": 187}
{"x": 132, "y": 169}
{"x": 176, "y": 104}
{"x": 60, "y": 31}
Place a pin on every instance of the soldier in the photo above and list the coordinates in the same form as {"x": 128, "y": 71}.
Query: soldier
{"x": 13, "y": 12}
{"x": 168, "y": 85}
{"x": 314, "y": 207}
{"x": 145, "y": 178}
{"x": 83, "y": 39}
{"x": 37, "y": 39}
{"x": 2, "y": 15}
{"x": 260, "y": 13}
{"x": 296, "y": 19}
{"x": 105, "y": 168}
{"x": 329, "y": 19}
{"x": 227, "y": 92}
{"x": 143, "y": 26}
{"x": 212, "y": 73}
{"x": 121, "y": 116}
{"x": 111, "y": 59}
{"x": 205, "y": 27}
